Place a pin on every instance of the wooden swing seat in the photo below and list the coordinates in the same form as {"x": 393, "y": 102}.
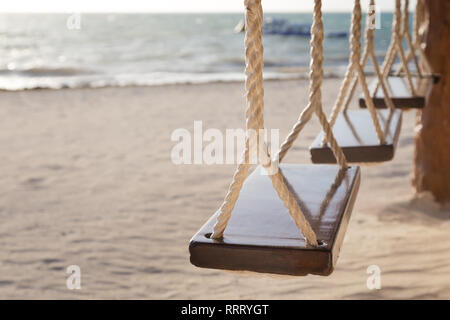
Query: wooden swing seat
{"x": 355, "y": 133}
{"x": 262, "y": 237}
{"x": 399, "y": 92}
{"x": 435, "y": 77}
{"x": 413, "y": 71}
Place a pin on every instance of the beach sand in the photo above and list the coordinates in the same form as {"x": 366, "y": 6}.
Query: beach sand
{"x": 87, "y": 179}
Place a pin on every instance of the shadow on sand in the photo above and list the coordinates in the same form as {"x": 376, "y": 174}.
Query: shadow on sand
{"x": 419, "y": 209}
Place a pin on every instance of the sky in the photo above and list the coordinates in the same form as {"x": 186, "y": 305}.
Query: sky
{"x": 172, "y": 6}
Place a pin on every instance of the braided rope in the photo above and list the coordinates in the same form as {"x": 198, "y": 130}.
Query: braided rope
{"x": 253, "y": 70}
{"x": 416, "y": 23}
{"x": 400, "y": 50}
{"x": 356, "y": 64}
{"x": 396, "y": 47}
{"x": 280, "y": 185}
{"x": 255, "y": 121}
{"x": 231, "y": 197}
{"x": 369, "y": 51}
{"x": 406, "y": 35}
{"x": 390, "y": 53}
{"x": 316, "y": 79}
{"x": 355, "y": 54}
{"x": 359, "y": 68}
{"x": 315, "y": 93}
{"x": 277, "y": 179}
{"x": 383, "y": 83}
{"x": 367, "y": 46}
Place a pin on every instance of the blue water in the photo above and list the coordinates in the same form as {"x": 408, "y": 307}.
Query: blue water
{"x": 41, "y": 51}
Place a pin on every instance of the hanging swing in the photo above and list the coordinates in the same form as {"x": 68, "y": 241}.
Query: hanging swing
{"x": 407, "y": 89}
{"x": 364, "y": 135}
{"x": 289, "y": 219}
{"x": 420, "y": 31}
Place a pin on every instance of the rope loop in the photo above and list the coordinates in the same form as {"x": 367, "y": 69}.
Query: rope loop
{"x": 355, "y": 42}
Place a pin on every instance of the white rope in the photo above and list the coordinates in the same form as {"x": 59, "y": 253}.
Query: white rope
{"x": 253, "y": 91}
{"x": 410, "y": 54}
{"x": 396, "y": 47}
{"x": 369, "y": 51}
{"x": 406, "y": 34}
{"x": 315, "y": 93}
{"x": 356, "y": 65}
{"x": 420, "y": 28}
{"x": 255, "y": 121}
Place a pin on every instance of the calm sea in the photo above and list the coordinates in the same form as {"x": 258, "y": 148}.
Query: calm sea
{"x": 41, "y": 51}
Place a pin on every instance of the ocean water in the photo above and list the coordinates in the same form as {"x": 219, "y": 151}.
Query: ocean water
{"x": 43, "y": 51}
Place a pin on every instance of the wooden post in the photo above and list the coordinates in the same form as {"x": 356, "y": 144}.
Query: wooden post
{"x": 432, "y": 134}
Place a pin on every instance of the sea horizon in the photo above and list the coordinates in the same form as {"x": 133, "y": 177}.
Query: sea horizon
{"x": 58, "y": 50}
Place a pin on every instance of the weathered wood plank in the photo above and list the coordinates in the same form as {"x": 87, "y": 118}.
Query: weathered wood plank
{"x": 262, "y": 237}
{"x": 355, "y": 133}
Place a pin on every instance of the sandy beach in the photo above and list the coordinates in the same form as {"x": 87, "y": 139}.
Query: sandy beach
{"x": 87, "y": 179}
